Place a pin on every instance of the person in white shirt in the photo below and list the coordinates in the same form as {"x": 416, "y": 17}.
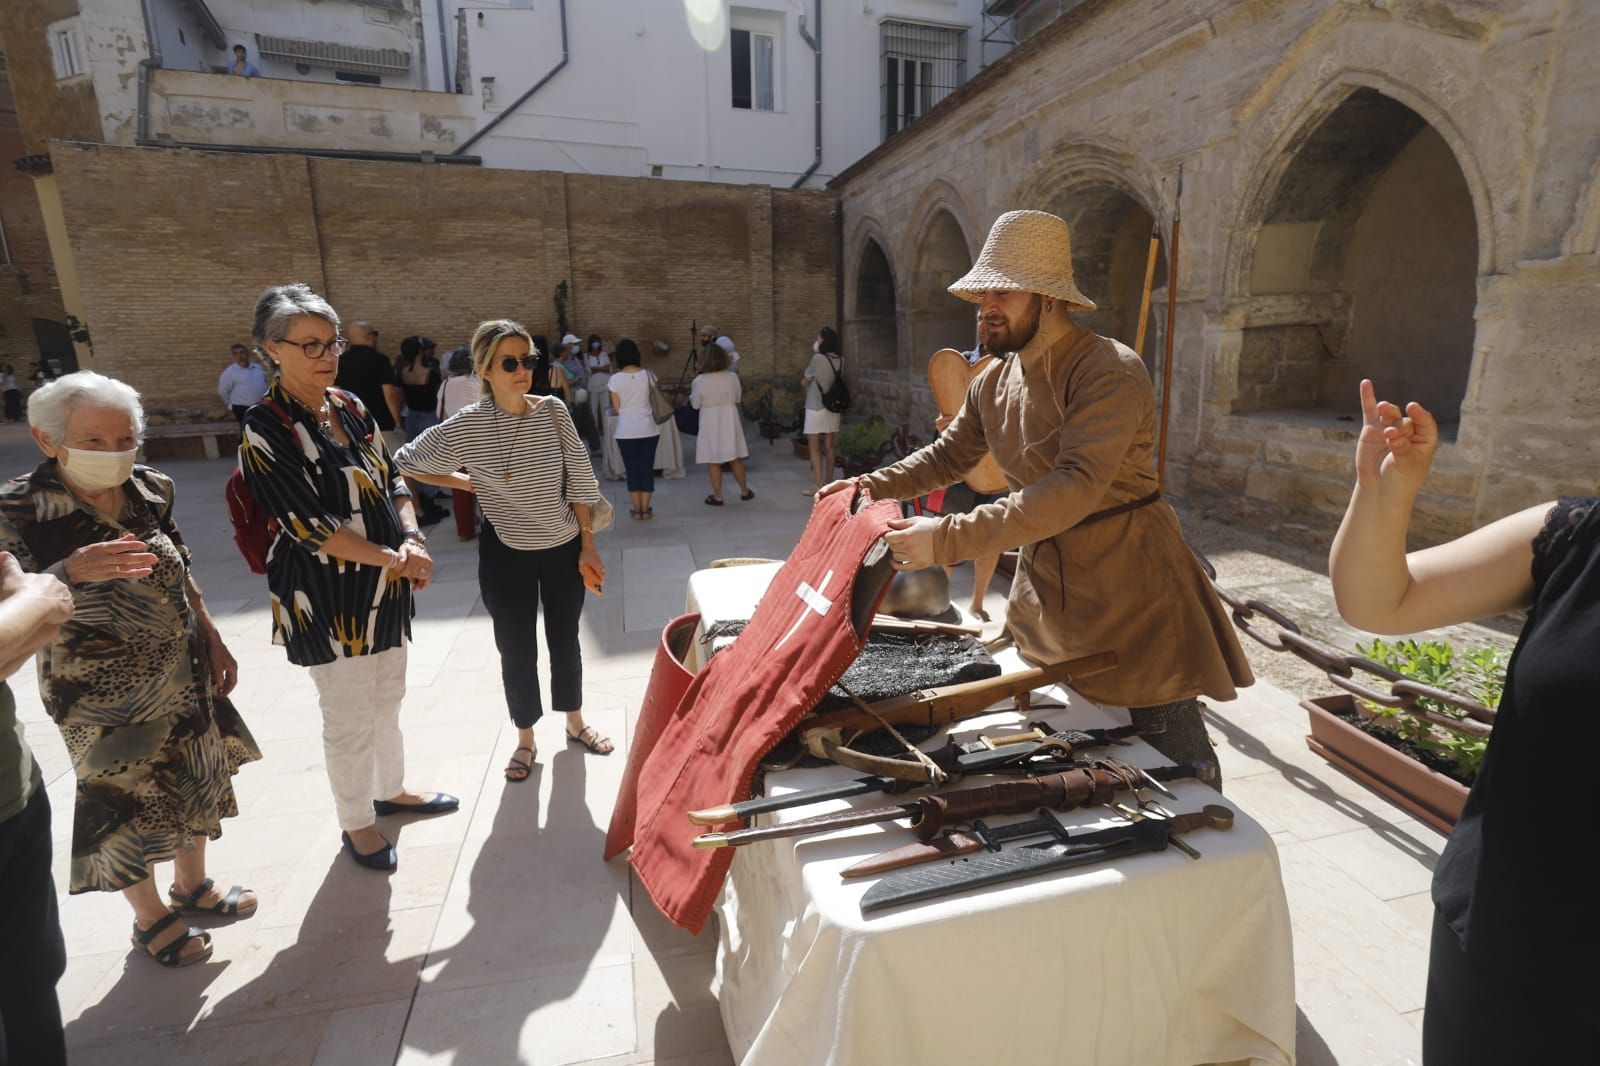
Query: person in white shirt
{"x": 636, "y": 432}
{"x": 242, "y": 383}
{"x": 715, "y": 394}
{"x": 460, "y": 389}
{"x": 597, "y": 361}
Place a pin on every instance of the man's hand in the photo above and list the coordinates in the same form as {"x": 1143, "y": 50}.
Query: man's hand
{"x": 911, "y": 542}
{"x": 110, "y": 560}
{"x": 413, "y": 563}
{"x": 1394, "y": 449}
{"x": 836, "y": 486}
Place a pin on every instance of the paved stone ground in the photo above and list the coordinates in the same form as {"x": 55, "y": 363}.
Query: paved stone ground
{"x": 503, "y": 938}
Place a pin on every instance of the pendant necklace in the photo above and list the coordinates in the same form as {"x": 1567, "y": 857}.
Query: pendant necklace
{"x": 505, "y": 456}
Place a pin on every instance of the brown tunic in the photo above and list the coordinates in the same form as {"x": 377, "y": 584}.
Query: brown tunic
{"x": 1127, "y": 583}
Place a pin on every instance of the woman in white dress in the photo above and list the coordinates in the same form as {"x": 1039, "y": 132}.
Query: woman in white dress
{"x": 715, "y": 394}
{"x": 821, "y": 424}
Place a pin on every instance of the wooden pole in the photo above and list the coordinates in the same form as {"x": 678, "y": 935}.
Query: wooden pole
{"x": 1149, "y": 280}
{"x": 1172, "y": 318}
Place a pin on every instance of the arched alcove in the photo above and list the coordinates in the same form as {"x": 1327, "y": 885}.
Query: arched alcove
{"x": 872, "y": 336}
{"x": 1110, "y": 247}
{"x": 937, "y": 319}
{"x": 1364, "y": 265}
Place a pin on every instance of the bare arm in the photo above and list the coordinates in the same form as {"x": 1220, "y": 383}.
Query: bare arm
{"x": 32, "y": 608}
{"x": 1378, "y": 585}
{"x": 396, "y": 401}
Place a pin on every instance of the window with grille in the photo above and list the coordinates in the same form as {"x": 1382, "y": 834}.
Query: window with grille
{"x": 755, "y": 43}
{"x": 921, "y": 65}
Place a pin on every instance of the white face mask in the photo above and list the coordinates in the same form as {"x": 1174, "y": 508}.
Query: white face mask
{"x": 97, "y": 471}
{"x": 816, "y": 346}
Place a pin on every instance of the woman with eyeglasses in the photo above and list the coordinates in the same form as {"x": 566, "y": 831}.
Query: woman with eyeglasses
{"x": 523, "y": 458}
{"x": 343, "y": 563}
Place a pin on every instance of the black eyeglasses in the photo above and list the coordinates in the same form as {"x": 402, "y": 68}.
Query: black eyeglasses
{"x": 317, "y": 349}
{"x": 509, "y": 363}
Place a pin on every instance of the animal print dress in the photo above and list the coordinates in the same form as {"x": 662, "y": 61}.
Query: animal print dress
{"x": 128, "y": 683}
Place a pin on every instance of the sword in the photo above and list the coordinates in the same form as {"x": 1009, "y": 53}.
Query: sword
{"x": 931, "y": 813}
{"x": 954, "y": 843}
{"x": 984, "y": 755}
{"x": 957, "y": 875}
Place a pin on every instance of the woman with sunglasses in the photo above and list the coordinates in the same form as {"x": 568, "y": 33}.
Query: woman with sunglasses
{"x": 343, "y": 563}
{"x": 531, "y": 472}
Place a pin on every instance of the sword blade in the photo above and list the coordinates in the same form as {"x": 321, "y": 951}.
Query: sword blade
{"x": 954, "y": 845}
{"x": 961, "y": 875}
{"x": 822, "y": 824}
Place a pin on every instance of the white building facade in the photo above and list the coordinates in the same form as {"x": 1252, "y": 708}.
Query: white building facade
{"x": 692, "y": 89}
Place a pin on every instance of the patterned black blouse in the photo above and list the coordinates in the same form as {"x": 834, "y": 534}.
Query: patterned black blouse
{"x": 1508, "y": 882}
{"x": 324, "y": 608}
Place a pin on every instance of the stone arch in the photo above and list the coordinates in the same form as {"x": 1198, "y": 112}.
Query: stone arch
{"x": 1356, "y": 255}
{"x": 871, "y": 333}
{"x": 1111, "y": 208}
{"x": 940, "y": 252}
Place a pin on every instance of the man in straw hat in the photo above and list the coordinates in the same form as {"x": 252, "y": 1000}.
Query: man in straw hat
{"x": 1070, "y": 418}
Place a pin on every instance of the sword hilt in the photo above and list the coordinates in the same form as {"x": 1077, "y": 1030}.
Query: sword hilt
{"x": 1071, "y": 788}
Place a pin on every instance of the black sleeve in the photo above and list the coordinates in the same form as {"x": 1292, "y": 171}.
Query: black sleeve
{"x": 1566, "y": 526}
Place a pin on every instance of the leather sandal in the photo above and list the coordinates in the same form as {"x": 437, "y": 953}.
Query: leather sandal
{"x": 589, "y": 738}
{"x": 228, "y": 906}
{"x": 748, "y": 494}
{"x": 712, "y": 501}
{"x": 516, "y": 769}
{"x": 171, "y": 955}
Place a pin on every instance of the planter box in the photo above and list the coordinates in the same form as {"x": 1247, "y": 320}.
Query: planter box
{"x": 802, "y": 448}
{"x": 1431, "y": 797}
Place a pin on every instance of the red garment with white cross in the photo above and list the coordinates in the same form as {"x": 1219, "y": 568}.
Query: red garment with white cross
{"x": 806, "y": 631}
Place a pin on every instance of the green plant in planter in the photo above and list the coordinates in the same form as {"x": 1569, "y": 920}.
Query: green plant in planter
{"x": 860, "y": 444}
{"x": 1478, "y": 673}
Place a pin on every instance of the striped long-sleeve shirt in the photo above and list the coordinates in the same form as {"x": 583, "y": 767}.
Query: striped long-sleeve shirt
{"x": 526, "y": 469}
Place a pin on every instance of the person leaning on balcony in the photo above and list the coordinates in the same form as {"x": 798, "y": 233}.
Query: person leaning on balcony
{"x": 1511, "y": 974}
{"x": 137, "y": 681}
{"x": 343, "y": 564}
{"x": 241, "y": 65}
{"x": 1070, "y": 418}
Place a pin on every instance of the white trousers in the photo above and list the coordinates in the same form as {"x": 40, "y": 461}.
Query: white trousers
{"x": 361, "y": 741}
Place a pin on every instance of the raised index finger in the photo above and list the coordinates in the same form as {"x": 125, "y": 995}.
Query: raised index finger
{"x": 1369, "y": 403}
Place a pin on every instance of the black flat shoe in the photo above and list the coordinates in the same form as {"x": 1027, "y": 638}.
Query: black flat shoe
{"x": 385, "y": 858}
{"x": 442, "y": 803}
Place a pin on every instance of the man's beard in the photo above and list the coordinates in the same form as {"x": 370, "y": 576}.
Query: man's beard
{"x": 1000, "y": 335}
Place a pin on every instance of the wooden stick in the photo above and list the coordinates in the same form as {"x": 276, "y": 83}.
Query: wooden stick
{"x": 1172, "y": 318}
{"x": 1149, "y": 280}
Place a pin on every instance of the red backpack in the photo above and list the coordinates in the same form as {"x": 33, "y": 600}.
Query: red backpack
{"x": 253, "y": 527}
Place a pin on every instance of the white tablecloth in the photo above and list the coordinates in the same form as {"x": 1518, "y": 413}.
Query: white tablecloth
{"x": 1153, "y": 960}
{"x": 669, "y": 451}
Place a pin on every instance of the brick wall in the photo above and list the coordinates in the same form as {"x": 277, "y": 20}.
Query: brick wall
{"x": 28, "y": 288}
{"x": 173, "y": 247}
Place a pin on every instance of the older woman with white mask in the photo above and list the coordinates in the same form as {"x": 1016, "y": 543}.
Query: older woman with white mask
{"x": 343, "y": 564}
{"x": 137, "y": 680}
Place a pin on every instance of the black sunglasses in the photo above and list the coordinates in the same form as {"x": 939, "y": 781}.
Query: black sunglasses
{"x": 509, "y": 363}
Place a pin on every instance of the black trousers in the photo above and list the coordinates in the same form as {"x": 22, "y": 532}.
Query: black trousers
{"x": 514, "y": 583}
{"x": 1483, "y": 1015}
{"x": 30, "y": 932}
{"x": 13, "y": 405}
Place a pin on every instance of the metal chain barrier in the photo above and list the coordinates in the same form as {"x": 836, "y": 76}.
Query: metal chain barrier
{"x": 1344, "y": 670}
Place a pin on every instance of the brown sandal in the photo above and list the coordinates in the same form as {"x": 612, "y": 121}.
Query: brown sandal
{"x": 172, "y": 954}
{"x": 516, "y": 769}
{"x": 592, "y": 740}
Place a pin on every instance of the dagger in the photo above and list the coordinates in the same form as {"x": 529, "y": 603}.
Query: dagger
{"x": 931, "y": 813}
{"x": 984, "y": 755}
{"x": 961, "y": 874}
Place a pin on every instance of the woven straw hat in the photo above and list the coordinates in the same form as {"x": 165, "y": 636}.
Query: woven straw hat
{"x": 1026, "y": 250}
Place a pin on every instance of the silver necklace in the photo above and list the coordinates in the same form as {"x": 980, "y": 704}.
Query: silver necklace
{"x": 505, "y": 456}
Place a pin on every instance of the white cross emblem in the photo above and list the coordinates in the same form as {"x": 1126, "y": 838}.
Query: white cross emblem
{"x": 814, "y": 600}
